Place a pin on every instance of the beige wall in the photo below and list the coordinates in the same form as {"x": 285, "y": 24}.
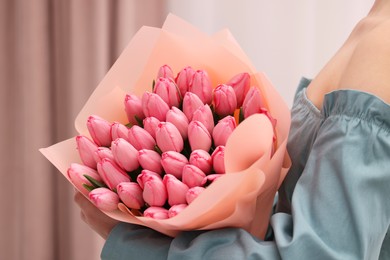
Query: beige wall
{"x": 285, "y": 39}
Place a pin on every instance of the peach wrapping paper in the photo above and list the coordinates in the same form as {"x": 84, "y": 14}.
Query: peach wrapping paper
{"x": 244, "y": 196}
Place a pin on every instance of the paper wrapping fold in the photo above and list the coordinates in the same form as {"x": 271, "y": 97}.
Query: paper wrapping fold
{"x": 244, "y": 196}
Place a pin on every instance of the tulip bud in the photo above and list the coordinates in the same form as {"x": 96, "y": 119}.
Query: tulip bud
{"x": 202, "y": 160}
{"x": 140, "y": 138}
{"x": 86, "y": 149}
{"x": 176, "y": 190}
{"x": 100, "y": 130}
{"x": 119, "y": 130}
{"x": 103, "y": 152}
{"x": 150, "y": 125}
{"x": 154, "y": 191}
{"x": 176, "y": 209}
{"x": 154, "y": 105}
{"x": 184, "y": 79}
{"x": 205, "y": 116}
{"x": 168, "y": 91}
{"x": 125, "y": 155}
{"x": 133, "y": 109}
{"x": 240, "y": 83}
{"x": 104, "y": 199}
{"x": 130, "y": 194}
{"x": 145, "y": 176}
{"x": 178, "y": 119}
{"x": 165, "y": 72}
{"x": 225, "y": 100}
{"x": 169, "y": 138}
{"x": 111, "y": 173}
{"x": 253, "y": 102}
{"x": 218, "y": 159}
{"x": 201, "y": 86}
{"x": 193, "y": 193}
{"x": 210, "y": 179}
{"x": 156, "y": 213}
{"x": 198, "y": 136}
{"x": 173, "y": 163}
{"x": 150, "y": 160}
{"x": 192, "y": 175}
{"x": 191, "y": 103}
{"x": 76, "y": 174}
{"x": 223, "y": 130}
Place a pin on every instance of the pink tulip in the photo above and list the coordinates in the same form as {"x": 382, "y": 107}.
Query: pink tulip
{"x": 198, "y": 136}
{"x": 145, "y": 176}
{"x": 165, "y": 72}
{"x": 253, "y": 102}
{"x": 130, "y": 194}
{"x": 240, "y": 83}
{"x": 140, "y": 138}
{"x": 218, "y": 159}
{"x": 205, "y": 116}
{"x": 191, "y": 103}
{"x": 210, "y": 179}
{"x": 223, "y": 130}
{"x": 76, "y": 174}
{"x": 151, "y": 125}
{"x": 133, "y": 109}
{"x": 86, "y": 148}
{"x": 103, "y": 152}
{"x": 178, "y": 119}
{"x": 193, "y": 193}
{"x": 125, "y": 155}
{"x": 224, "y": 100}
{"x": 154, "y": 191}
{"x": 192, "y": 175}
{"x": 176, "y": 209}
{"x": 156, "y": 213}
{"x": 201, "y": 86}
{"x": 169, "y": 138}
{"x": 184, "y": 79}
{"x": 154, "y": 105}
{"x": 202, "y": 160}
{"x": 173, "y": 163}
{"x": 104, "y": 199}
{"x": 150, "y": 160}
{"x": 119, "y": 130}
{"x": 167, "y": 89}
{"x": 176, "y": 190}
{"x": 100, "y": 130}
{"x": 111, "y": 173}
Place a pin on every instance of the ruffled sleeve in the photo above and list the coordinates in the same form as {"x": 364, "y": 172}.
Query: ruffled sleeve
{"x": 340, "y": 207}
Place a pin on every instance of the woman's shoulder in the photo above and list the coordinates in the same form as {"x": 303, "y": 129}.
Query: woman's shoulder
{"x": 368, "y": 68}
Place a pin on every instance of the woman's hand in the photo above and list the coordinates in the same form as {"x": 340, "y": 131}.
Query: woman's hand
{"x": 97, "y": 220}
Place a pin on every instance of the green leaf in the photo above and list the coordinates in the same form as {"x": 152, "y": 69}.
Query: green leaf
{"x": 157, "y": 149}
{"x": 95, "y": 183}
{"x": 241, "y": 116}
{"x": 153, "y": 84}
{"x": 139, "y": 121}
{"x": 88, "y": 187}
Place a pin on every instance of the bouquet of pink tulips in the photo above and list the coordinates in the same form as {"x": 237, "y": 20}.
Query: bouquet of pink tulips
{"x": 172, "y": 147}
{"x": 199, "y": 149}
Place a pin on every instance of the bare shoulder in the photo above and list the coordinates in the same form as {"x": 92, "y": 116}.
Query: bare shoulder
{"x": 368, "y": 68}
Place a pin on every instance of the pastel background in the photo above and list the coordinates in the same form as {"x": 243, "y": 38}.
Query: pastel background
{"x": 54, "y": 53}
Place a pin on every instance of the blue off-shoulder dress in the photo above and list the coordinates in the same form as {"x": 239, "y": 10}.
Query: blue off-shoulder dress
{"x": 333, "y": 204}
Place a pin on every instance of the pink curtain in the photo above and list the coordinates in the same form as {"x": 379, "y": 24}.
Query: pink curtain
{"x": 53, "y": 55}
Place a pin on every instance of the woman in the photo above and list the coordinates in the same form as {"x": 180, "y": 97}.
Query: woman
{"x": 335, "y": 201}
